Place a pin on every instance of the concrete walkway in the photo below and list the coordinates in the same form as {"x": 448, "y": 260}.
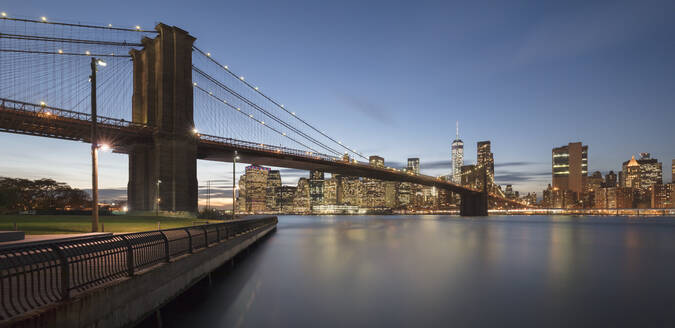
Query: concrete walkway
{"x": 40, "y": 239}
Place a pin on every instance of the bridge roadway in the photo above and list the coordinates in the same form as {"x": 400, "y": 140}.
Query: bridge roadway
{"x": 33, "y": 119}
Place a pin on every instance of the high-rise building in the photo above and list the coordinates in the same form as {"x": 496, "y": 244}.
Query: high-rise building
{"x": 645, "y": 172}
{"x": 351, "y": 190}
{"x": 486, "y": 162}
{"x": 404, "y": 194}
{"x": 610, "y": 179}
{"x": 255, "y": 186}
{"x": 457, "y": 158}
{"x": 301, "y": 203}
{"x": 413, "y": 165}
{"x": 662, "y": 195}
{"x": 616, "y": 197}
{"x": 316, "y": 187}
{"x": 570, "y": 167}
{"x": 376, "y": 161}
{"x": 273, "y": 182}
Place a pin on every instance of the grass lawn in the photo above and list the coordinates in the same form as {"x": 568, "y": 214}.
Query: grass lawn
{"x": 62, "y": 224}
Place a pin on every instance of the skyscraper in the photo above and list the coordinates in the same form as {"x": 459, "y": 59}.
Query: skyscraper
{"x": 672, "y": 177}
{"x": 256, "y": 188}
{"x": 486, "y": 161}
{"x": 457, "y": 158}
{"x": 610, "y": 179}
{"x": 570, "y": 167}
{"x": 316, "y": 187}
{"x": 414, "y": 165}
{"x": 650, "y": 172}
{"x": 376, "y": 161}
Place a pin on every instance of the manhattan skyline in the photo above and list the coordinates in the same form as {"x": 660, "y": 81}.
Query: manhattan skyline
{"x": 518, "y": 76}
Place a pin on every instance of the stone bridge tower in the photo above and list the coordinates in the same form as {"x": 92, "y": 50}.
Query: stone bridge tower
{"x": 165, "y": 167}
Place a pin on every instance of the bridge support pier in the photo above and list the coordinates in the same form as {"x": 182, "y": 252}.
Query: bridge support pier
{"x": 163, "y": 172}
{"x": 474, "y": 204}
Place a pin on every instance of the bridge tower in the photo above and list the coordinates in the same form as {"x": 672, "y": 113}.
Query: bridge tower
{"x": 166, "y": 167}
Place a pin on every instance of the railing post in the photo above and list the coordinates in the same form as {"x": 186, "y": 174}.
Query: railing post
{"x": 206, "y": 237}
{"x": 65, "y": 273}
{"x": 166, "y": 247}
{"x": 130, "y": 256}
{"x": 189, "y": 240}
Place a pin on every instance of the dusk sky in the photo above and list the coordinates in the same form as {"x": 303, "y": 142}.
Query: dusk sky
{"x": 391, "y": 78}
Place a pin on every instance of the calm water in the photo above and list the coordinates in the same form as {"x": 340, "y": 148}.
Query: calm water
{"x": 349, "y": 271}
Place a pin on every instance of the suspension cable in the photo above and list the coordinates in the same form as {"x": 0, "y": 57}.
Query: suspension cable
{"x": 208, "y": 56}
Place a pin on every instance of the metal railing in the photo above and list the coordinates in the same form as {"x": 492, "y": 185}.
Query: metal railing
{"x": 59, "y": 113}
{"x": 37, "y": 275}
{"x": 241, "y": 144}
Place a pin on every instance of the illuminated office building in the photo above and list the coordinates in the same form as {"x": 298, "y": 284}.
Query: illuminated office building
{"x": 486, "y": 163}
{"x": 610, "y": 179}
{"x": 273, "y": 184}
{"x": 413, "y": 165}
{"x": 316, "y": 182}
{"x": 570, "y": 167}
{"x": 457, "y": 158}
{"x": 376, "y": 161}
{"x": 255, "y": 186}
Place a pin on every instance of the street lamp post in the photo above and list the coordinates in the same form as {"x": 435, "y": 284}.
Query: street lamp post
{"x": 157, "y": 199}
{"x": 235, "y": 157}
{"x": 94, "y": 146}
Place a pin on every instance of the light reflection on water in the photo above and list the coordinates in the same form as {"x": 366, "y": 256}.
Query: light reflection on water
{"x": 337, "y": 271}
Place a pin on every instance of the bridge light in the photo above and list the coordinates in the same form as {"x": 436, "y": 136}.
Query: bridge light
{"x": 4, "y": 14}
{"x": 60, "y": 51}
{"x": 210, "y": 93}
{"x": 250, "y": 115}
{"x": 43, "y": 18}
{"x": 263, "y": 123}
{"x": 43, "y": 104}
{"x": 109, "y": 25}
{"x": 104, "y": 146}
{"x": 241, "y": 78}
{"x": 138, "y": 27}
{"x": 239, "y": 109}
{"x": 87, "y": 53}
{"x": 208, "y": 54}
{"x": 195, "y": 131}
{"x": 256, "y": 88}
{"x": 283, "y": 134}
{"x": 293, "y": 113}
{"x": 225, "y": 67}
{"x": 101, "y": 63}
{"x": 194, "y": 83}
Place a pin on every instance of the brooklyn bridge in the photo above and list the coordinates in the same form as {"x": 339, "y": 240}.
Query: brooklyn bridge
{"x": 156, "y": 96}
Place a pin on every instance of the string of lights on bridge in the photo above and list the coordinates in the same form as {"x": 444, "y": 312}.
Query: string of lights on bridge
{"x": 250, "y": 116}
{"x": 276, "y": 103}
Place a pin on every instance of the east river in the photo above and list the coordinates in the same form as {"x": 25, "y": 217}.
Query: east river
{"x": 422, "y": 271}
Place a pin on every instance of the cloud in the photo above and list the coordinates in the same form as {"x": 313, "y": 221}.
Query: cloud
{"x": 511, "y": 164}
{"x": 510, "y": 177}
{"x": 370, "y": 109}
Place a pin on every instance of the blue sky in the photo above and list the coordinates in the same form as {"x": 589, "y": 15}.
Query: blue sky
{"x": 391, "y": 78}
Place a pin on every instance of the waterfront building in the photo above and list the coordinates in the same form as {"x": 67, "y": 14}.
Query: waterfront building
{"x": 614, "y": 197}
{"x": 330, "y": 191}
{"x": 286, "y": 198}
{"x": 404, "y": 195}
{"x": 631, "y": 173}
{"x": 351, "y": 190}
{"x": 413, "y": 166}
{"x": 457, "y": 158}
{"x": 642, "y": 173}
{"x": 376, "y": 161}
{"x": 508, "y": 191}
{"x": 662, "y": 195}
{"x": 485, "y": 162}
{"x": 273, "y": 182}
{"x": 255, "y": 186}
{"x": 390, "y": 188}
{"x": 610, "y": 179}
{"x": 374, "y": 193}
{"x": 301, "y": 203}
{"x": 316, "y": 181}
{"x": 570, "y": 167}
